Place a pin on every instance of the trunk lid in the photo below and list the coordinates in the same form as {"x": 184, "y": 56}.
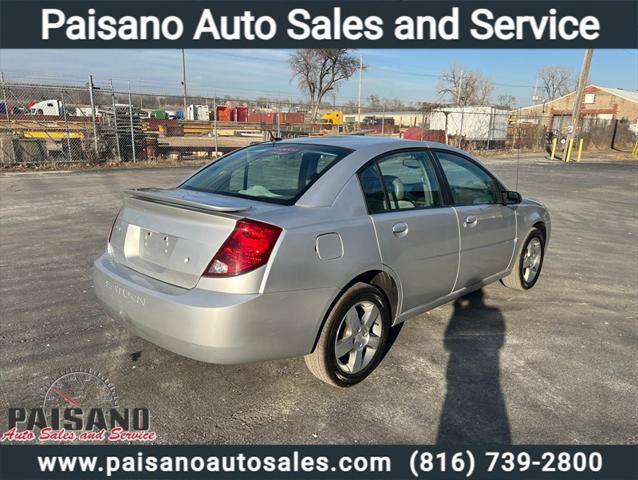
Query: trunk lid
{"x": 172, "y": 234}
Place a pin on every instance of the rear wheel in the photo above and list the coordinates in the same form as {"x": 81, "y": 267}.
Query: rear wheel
{"x": 353, "y": 338}
{"x": 528, "y": 264}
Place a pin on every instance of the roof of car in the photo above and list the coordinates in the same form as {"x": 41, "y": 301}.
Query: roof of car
{"x": 357, "y": 142}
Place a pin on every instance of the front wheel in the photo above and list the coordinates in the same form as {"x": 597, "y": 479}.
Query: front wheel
{"x": 528, "y": 265}
{"x": 353, "y": 338}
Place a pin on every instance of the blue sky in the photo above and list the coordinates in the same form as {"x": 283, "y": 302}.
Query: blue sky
{"x": 406, "y": 74}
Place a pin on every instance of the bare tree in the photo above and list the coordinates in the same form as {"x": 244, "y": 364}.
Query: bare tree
{"x": 555, "y": 81}
{"x": 506, "y": 101}
{"x": 464, "y": 87}
{"x": 322, "y": 70}
{"x": 350, "y": 106}
{"x": 375, "y": 102}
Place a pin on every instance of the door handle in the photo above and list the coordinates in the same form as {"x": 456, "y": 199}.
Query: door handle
{"x": 470, "y": 221}
{"x": 400, "y": 229}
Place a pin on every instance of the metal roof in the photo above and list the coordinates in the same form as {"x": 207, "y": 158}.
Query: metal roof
{"x": 630, "y": 95}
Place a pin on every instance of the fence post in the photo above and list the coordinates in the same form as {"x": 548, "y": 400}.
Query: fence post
{"x": 489, "y": 127}
{"x": 66, "y": 125}
{"x": 447, "y": 138}
{"x": 461, "y": 142}
{"x": 613, "y": 135}
{"x": 6, "y": 111}
{"x": 117, "y": 134}
{"x": 383, "y": 121}
{"x": 97, "y": 150}
{"x": 215, "y": 123}
{"x": 278, "y": 124}
{"x": 130, "y": 116}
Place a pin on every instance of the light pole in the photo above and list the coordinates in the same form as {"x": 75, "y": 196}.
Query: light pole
{"x": 360, "y": 80}
{"x": 184, "y": 78}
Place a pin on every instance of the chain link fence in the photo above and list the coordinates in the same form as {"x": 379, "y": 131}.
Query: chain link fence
{"x": 94, "y": 122}
{"x": 43, "y": 123}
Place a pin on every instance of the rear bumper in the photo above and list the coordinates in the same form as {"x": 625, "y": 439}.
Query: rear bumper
{"x": 211, "y": 326}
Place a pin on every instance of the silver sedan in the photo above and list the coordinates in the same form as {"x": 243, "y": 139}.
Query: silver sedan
{"x": 314, "y": 247}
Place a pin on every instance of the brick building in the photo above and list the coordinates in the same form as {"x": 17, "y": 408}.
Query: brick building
{"x": 599, "y": 103}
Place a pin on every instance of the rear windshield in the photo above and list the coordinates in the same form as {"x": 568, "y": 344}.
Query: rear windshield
{"x": 271, "y": 172}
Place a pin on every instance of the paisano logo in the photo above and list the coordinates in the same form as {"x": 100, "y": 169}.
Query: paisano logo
{"x": 79, "y": 405}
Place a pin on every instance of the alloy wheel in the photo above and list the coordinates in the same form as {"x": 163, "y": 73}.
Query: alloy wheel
{"x": 358, "y": 337}
{"x": 532, "y": 260}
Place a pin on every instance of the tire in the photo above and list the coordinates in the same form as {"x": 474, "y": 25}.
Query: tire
{"x": 362, "y": 348}
{"x": 518, "y": 279}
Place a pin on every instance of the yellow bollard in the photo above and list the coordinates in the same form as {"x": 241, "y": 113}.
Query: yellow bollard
{"x": 634, "y": 152}
{"x": 554, "y": 143}
{"x": 569, "y": 150}
{"x": 580, "y": 149}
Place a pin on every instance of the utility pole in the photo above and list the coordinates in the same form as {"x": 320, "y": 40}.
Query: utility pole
{"x": 215, "y": 123}
{"x": 360, "y": 80}
{"x": 184, "y": 78}
{"x": 574, "y": 135}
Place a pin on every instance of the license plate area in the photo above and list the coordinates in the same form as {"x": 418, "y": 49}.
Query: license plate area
{"x": 156, "y": 247}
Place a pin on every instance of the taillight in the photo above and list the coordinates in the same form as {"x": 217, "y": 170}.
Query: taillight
{"x": 248, "y": 247}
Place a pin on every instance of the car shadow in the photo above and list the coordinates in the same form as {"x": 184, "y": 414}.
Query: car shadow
{"x": 474, "y": 410}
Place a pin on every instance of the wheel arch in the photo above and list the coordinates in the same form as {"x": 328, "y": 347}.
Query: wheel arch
{"x": 381, "y": 279}
{"x": 543, "y": 229}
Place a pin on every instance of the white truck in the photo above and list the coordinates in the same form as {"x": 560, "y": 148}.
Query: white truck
{"x": 480, "y": 124}
{"x": 198, "y": 112}
{"x": 47, "y": 107}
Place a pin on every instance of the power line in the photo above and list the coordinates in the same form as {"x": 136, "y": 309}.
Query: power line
{"x": 440, "y": 75}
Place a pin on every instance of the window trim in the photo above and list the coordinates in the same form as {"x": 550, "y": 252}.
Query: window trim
{"x": 268, "y": 200}
{"x": 445, "y": 196}
{"x": 434, "y": 152}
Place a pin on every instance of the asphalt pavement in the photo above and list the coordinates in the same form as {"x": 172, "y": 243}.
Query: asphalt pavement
{"x": 556, "y": 364}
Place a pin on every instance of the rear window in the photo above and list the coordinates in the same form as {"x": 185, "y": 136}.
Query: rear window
{"x": 270, "y": 172}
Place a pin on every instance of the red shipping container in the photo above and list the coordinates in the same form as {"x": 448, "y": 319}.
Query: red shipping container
{"x": 240, "y": 114}
{"x": 291, "y": 117}
{"x": 261, "y": 117}
{"x": 426, "y": 135}
{"x": 223, "y": 113}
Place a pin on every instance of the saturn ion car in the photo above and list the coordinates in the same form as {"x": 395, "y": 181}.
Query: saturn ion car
{"x": 315, "y": 247}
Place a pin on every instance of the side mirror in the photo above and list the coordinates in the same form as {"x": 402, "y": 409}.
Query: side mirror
{"x": 511, "y": 198}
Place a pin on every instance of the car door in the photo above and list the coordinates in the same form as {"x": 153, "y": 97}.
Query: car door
{"x": 416, "y": 231}
{"x": 488, "y": 228}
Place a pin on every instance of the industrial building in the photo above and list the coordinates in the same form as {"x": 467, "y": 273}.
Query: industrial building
{"x": 601, "y": 103}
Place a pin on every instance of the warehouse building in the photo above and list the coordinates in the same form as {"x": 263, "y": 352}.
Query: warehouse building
{"x": 599, "y": 103}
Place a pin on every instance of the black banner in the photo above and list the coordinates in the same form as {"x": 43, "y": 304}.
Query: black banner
{"x": 303, "y": 24}
{"x": 602, "y": 462}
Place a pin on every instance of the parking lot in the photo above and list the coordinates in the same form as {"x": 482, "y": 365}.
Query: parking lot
{"x": 556, "y": 364}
